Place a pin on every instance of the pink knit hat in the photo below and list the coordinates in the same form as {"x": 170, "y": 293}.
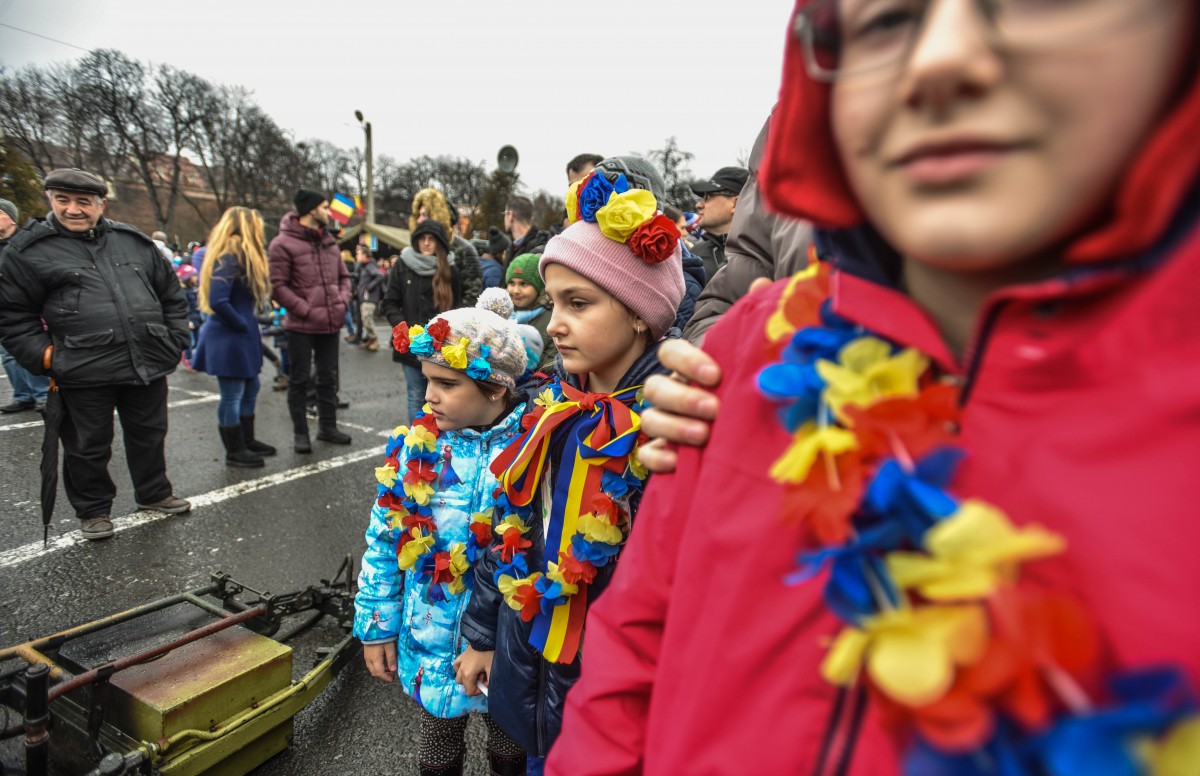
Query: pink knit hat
{"x": 652, "y": 291}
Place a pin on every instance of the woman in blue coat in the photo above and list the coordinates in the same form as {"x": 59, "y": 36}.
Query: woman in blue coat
{"x": 232, "y": 287}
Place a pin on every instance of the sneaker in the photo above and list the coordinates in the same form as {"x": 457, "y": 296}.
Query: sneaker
{"x": 171, "y": 505}
{"x": 18, "y": 406}
{"x": 94, "y": 528}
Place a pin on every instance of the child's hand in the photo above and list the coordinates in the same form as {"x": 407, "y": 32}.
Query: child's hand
{"x": 381, "y": 660}
{"x": 471, "y": 665}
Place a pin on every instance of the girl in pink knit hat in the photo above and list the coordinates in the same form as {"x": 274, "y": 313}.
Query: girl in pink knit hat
{"x": 570, "y": 485}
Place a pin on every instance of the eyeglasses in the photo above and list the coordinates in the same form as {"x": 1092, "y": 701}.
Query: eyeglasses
{"x": 710, "y": 194}
{"x": 847, "y": 38}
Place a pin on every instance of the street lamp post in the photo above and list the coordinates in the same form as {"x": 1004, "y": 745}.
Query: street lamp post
{"x": 366, "y": 125}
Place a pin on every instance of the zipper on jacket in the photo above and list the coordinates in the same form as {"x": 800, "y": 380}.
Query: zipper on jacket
{"x": 974, "y": 354}
{"x": 540, "y": 706}
{"x": 841, "y": 733}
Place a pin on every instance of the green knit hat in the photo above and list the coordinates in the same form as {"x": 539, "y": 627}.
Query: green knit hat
{"x": 525, "y": 267}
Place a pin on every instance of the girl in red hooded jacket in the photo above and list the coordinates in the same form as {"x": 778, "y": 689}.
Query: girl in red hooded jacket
{"x": 945, "y": 521}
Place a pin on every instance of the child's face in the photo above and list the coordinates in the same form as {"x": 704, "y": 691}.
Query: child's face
{"x": 457, "y": 401}
{"x": 523, "y": 294}
{"x": 976, "y": 154}
{"x": 594, "y": 332}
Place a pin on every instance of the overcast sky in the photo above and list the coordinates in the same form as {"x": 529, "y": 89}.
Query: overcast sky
{"x": 552, "y": 77}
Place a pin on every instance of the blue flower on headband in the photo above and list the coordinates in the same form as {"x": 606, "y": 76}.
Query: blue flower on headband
{"x": 422, "y": 345}
{"x": 595, "y": 195}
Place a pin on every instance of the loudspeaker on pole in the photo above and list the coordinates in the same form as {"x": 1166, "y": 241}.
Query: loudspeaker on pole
{"x": 507, "y": 158}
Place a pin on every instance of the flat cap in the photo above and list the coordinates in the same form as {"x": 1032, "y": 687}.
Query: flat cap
{"x": 74, "y": 179}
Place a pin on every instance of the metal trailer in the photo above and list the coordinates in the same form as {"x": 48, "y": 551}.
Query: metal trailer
{"x": 189, "y": 684}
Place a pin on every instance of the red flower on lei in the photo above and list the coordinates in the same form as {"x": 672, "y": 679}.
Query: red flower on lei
{"x": 530, "y": 600}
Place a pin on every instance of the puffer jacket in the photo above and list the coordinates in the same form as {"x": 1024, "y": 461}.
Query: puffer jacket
{"x": 693, "y": 284}
{"x": 396, "y": 605}
{"x": 526, "y": 693}
{"x": 760, "y": 245}
{"x": 112, "y": 305}
{"x": 308, "y": 278}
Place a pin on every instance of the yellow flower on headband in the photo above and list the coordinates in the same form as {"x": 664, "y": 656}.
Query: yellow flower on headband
{"x": 415, "y": 331}
{"x": 456, "y": 355}
{"x": 573, "y": 202}
{"x": 624, "y": 213}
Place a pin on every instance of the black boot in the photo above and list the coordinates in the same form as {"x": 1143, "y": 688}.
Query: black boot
{"x": 252, "y": 444}
{"x": 453, "y": 769}
{"x": 331, "y": 433}
{"x": 506, "y": 764}
{"x": 301, "y": 443}
{"x": 236, "y": 453}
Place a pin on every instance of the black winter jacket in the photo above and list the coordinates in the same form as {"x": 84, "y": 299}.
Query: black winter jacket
{"x": 526, "y": 694}
{"x": 408, "y": 297}
{"x": 711, "y": 250}
{"x": 112, "y": 305}
{"x": 533, "y": 242}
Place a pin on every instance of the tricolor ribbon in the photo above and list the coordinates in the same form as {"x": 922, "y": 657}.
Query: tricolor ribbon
{"x": 603, "y": 430}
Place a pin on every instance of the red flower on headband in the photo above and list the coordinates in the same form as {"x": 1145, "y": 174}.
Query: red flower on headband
{"x": 655, "y": 240}
{"x": 400, "y": 337}
{"x": 439, "y": 330}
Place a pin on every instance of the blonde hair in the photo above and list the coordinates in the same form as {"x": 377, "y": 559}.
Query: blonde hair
{"x": 239, "y": 233}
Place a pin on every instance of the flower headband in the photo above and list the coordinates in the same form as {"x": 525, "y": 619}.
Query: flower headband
{"x": 624, "y": 214}
{"x": 423, "y": 343}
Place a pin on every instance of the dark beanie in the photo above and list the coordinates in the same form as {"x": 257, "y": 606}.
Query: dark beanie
{"x": 498, "y": 242}
{"x": 435, "y": 228}
{"x": 306, "y": 201}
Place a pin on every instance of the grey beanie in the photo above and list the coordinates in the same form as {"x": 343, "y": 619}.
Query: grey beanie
{"x": 641, "y": 174}
{"x": 9, "y": 208}
{"x": 487, "y": 324}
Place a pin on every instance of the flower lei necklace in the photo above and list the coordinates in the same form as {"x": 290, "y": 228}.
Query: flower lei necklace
{"x": 986, "y": 672}
{"x": 587, "y": 524}
{"x": 446, "y": 568}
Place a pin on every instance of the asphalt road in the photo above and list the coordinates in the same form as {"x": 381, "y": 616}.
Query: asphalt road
{"x": 278, "y": 528}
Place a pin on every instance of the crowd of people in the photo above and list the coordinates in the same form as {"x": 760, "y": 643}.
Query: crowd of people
{"x": 878, "y": 463}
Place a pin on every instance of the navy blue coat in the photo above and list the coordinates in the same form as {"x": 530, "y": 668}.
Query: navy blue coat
{"x": 230, "y": 344}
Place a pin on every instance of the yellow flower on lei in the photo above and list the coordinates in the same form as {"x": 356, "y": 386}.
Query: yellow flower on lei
{"x": 1176, "y": 753}
{"x": 555, "y": 575}
{"x": 397, "y": 516}
{"x": 456, "y": 354}
{"x": 400, "y": 431}
{"x": 778, "y": 325}
{"x": 508, "y": 585}
{"x": 420, "y": 438}
{"x": 910, "y": 654}
{"x": 512, "y": 521}
{"x": 624, "y": 213}
{"x": 808, "y": 443}
{"x": 419, "y": 492}
{"x": 411, "y": 552}
{"x": 867, "y": 372}
{"x": 546, "y": 399}
{"x": 970, "y": 554}
{"x": 596, "y": 529}
{"x": 636, "y": 467}
{"x": 386, "y": 475}
{"x": 458, "y": 567}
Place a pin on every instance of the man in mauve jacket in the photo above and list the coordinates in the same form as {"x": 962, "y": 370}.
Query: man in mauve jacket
{"x": 94, "y": 304}
{"x": 310, "y": 281}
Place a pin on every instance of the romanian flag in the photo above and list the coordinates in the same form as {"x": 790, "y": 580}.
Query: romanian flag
{"x": 358, "y": 205}
{"x": 341, "y": 209}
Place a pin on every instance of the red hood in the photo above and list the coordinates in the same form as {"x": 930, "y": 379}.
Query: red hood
{"x": 801, "y": 174}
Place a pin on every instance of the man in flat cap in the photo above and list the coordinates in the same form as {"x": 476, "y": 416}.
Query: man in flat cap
{"x": 115, "y": 325}
{"x": 310, "y": 280}
{"x": 718, "y": 198}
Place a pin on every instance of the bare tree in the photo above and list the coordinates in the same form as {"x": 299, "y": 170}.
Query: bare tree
{"x": 674, "y": 162}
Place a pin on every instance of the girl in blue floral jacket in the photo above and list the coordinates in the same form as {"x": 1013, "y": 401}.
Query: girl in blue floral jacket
{"x": 432, "y": 518}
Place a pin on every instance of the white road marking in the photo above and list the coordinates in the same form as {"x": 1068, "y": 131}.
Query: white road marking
{"x": 204, "y": 399}
{"x": 193, "y": 393}
{"x": 366, "y": 429}
{"x": 28, "y": 552}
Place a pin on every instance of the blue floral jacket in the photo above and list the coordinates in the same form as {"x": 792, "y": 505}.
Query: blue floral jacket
{"x": 423, "y": 616}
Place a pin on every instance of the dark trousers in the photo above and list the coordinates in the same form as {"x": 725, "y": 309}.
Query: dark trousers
{"x": 87, "y": 435}
{"x": 303, "y": 350}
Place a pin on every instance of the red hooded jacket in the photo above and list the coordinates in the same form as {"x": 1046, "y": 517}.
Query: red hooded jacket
{"x": 1081, "y": 412}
